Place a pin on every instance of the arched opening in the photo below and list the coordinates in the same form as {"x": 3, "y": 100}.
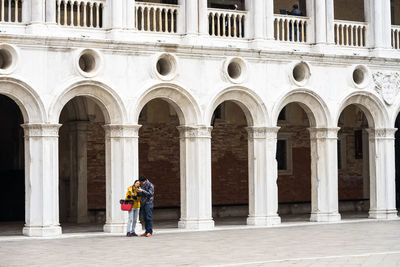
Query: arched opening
{"x": 82, "y": 175}
{"x": 353, "y": 163}
{"x": 293, "y": 156}
{"x": 229, "y": 154}
{"x": 397, "y": 160}
{"x": 12, "y": 168}
{"x": 352, "y": 11}
{"x": 159, "y": 159}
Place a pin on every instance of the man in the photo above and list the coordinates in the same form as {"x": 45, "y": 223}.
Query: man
{"x": 147, "y": 190}
{"x": 296, "y": 11}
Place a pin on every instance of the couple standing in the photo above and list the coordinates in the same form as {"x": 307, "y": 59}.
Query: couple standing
{"x": 142, "y": 194}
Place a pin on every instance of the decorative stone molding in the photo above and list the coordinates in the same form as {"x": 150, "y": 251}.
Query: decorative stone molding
{"x": 235, "y": 70}
{"x": 165, "y": 66}
{"x": 122, "y": 131}
{"x": 41, "y": 130}
{"x": 381, "y": 133}
{"x": 387, "y": 85}
{"x": 269, "y": 133}
{"x": 323, "y": 133}
{"x": 194, "y": 132}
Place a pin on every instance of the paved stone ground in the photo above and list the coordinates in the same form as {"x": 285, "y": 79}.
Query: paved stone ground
{"x": 370, "y": 243}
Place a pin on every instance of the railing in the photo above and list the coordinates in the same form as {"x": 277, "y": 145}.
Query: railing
{"x": 224, "y": 23}
{"x": 156, "y": 17}
{"x": 74, "y": 13}
{"x": 291, "y": 28}
{"x": 396, "y": 37}
{"x": 11, "y": 11}
{"x": 350, "y": 33}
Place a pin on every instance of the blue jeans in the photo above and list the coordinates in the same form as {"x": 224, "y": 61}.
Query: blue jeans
{"x": 147, "y": 212}
{"x": 133, "y": 216}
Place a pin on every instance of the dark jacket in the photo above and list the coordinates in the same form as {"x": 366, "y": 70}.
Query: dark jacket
{"x": 147, "y": 193}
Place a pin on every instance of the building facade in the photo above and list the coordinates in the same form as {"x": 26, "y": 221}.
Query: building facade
{"x": 218, "y": 102}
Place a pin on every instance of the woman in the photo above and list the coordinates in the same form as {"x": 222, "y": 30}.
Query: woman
{"x": 134, "y": 195}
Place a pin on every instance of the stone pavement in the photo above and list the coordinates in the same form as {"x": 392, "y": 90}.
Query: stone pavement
{"x": 370, "y": 243}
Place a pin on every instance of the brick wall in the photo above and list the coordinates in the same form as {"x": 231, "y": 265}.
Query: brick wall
{"x": 96, "y": 166}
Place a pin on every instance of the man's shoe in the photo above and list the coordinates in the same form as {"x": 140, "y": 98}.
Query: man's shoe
{"x": 148, "y": 235}
{"x": 128, "y": 234}
{"x": 133, "y": 234}
{"x": 144, "y": 234}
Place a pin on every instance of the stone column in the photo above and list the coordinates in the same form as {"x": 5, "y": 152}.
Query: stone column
{"x": 78, "y": 160}
{"x": 258, "y": 17}
{"x": 195, "y": 171}
{"x": 269, "y": 19}
{"x": 26, "y": 11}
{"x": 324, "y": 21}
{"x": 382, "y": 173}
{"x": 188, "y": 17}
{"x": 51, "y": 11}
{"x": 41, "y": 180}
{"x": 38, "y": 11}
{"x": 121, "y": 171}
{"x": 330, "y": 21}
{"x": 263, "y": 175}
{"x": 324, "y": 175}
{"x": 115, "y": 14}
{"x": 203, "y": 18}
{"x": 130, "y": 14}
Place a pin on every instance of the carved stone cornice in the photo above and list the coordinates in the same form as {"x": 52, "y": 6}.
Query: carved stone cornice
{"x": 122, "y": 130}
{"x": 323, "y": 133}
{"x": 269, "y": 133}
{"x": 381, "y": 133}
{"x": 41, "y": 130}
{"x": 194, "y": 131}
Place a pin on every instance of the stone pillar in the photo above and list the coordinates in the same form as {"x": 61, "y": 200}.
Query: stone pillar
{"x": 41, "y": 180}
{"x": 324, "y": 175}
{"x": 263, "y": 175}
{"x": 188, "y": 17}
{"x": 320, "y": 21}
{"x": 382, "y": 173}
{"x": 203, "y": 18}
{"x": 258, "y": 17}
{"x": 130, "y": 14}
{"x": 269, "y": 20}
{"x": 26, "y": 11}
{"x": 121, "y": 171}
{"x": 78, "y": 160}
{"x": 38, "y": 11}
{"x": 116, "y": 14}
{"x": 365, "y": 169}
{"x": 195, "y": 172}
{"x": 330, "y": 21}
{"x": 51, "y": 11}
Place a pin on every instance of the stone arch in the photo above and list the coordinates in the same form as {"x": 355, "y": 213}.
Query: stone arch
{"x": 107, "y": 99}
{"x": 395, "y": 113}
{"x": 370, "y": 104}
{"x": 183, "y": 102}
{"x": 27, "y": 99}
{"x": 315, "y": 108}
{"x": 251, "y": 104}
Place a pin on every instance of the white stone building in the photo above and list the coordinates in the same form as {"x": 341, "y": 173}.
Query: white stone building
{"x": 112, "y": 57}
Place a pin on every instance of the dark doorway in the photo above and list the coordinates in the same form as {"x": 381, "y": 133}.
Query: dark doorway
{"x": 397, "y": 149}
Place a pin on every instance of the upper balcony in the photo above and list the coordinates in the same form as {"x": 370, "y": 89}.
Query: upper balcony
{"x": 344, "y": 24}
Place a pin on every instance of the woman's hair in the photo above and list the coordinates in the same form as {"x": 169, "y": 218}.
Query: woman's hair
{"x": 135, "y": 182}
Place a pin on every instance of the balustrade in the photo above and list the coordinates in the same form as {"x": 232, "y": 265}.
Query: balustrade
{"x": 11, "y": 11}
{"x": 350, "y": 33}
{"x": 224, "y": 23}
{"x": 80, "y": 13}
{"x": 396, "y": 37}
{"x": 153, "y": 17}
{"x": 291, "y": 28}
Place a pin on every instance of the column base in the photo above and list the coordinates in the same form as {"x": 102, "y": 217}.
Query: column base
{"x": 383, "y": 214}
{"x": 42, "y": 231}
{"x": 325, "y": 217}
{"x": 200, "y": 224}
{"x": 115, "y": 228}
{"x": 263, "y": 220}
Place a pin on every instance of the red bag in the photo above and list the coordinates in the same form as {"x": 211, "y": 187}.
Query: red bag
{"x": 126, "y": 207}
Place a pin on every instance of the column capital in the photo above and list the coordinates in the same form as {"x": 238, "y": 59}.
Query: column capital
{"x": 262, "y": 132}
{"x": 323, "y": 133}
{"x": 194, "y": 131}
{"x": 41, "y": 130}
{"x": 381, "y": 133}
{"x": 122, "y": 130}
